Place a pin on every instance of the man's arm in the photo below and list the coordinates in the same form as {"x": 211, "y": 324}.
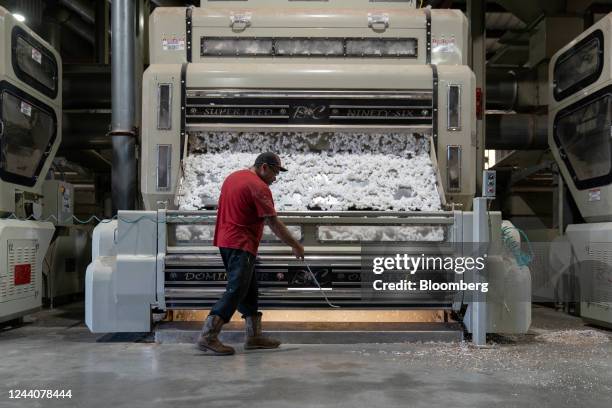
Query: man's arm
{"x": 281, "y": 231}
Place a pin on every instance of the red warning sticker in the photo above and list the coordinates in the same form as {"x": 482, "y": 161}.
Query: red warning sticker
{"x": 23, "y": 274}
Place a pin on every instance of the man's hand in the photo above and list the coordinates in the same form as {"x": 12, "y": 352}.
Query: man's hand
{"x": 281, "y": 231}
{"x": 298, "y": 251}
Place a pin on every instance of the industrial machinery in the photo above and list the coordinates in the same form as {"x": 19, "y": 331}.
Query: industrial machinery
{"x": 30, "y": 123}
{"x": 70, "y": 249}
{"x": 371, "y": 106}
{"x": 580, "y": 125}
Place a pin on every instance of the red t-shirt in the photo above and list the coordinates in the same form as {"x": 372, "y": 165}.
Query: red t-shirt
{"x": 244, "y": 202}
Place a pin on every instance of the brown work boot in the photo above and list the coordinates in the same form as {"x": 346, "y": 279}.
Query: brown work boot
{"x": 209, "y": 340}
{"x": 254, "y": 338}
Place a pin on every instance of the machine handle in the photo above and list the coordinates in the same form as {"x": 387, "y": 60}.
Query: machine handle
{"x": 378, "y": 21}
{"x": 240, "y": 22}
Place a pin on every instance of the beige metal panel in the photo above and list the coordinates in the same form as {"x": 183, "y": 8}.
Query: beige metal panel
{"x": 320, "y": 77}
{"x": 449, "y": 37}
{"x": 334, "y": 19}
{"x": 152, "y": 136}
{"x": 331, "y": 16}
{"x": 294, "y": 75}
{"x": 594, "y": 204}
{"x": 309, "y": 4}
{"x": 7, "y": 23}
{"x": 465, "y": 137}
{"x": 605, "y": 25}
{"x": 167, "y": 35}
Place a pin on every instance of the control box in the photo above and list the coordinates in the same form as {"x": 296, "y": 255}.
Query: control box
{"x": 58, "y": 201}
{"x": 489, "y": 183}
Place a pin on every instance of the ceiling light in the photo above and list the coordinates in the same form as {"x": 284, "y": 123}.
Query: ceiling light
{"x": 19, "y": 17}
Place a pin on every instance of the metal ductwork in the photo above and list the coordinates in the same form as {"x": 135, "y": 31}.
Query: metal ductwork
{"x": 517, "y": 132}
{"x": 530, "y": 10}
{"x": 86, "y": 129}
{"x": 502, "y": 89}
{"x": 510, "y": 90}
{"x": 82, "y": 9}
{"x": 86, "y": 86}
{"x": 123, "y": 123}
{"x": 80, "y": 28}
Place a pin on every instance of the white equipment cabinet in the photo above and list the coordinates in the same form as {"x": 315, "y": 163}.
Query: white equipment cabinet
{"x": 30, "y": 134}
{"x": 580, "y": 128}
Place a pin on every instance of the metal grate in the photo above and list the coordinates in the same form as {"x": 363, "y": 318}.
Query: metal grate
{"x": 601, "y": 291}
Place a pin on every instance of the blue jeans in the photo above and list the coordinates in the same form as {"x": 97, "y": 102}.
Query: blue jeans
{"x": 241, "y": 292}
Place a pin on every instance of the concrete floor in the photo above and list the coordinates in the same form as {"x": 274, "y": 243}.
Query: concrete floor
{"x": 549, "y": 367}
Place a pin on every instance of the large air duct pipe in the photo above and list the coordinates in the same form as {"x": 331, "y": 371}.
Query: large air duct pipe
{"x": 123, "y": 120}
{"x": 517, "y": 132}
{"x": 509, "y": 90}
{"x": 87, "y": 86}
{"x": 86, "y": 130}
{"x": 502, "y": 89}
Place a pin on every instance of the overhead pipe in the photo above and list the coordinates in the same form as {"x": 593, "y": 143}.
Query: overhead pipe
{"x": 123, "y": 121}
{"x": 79, "y": 7}
{"x": 79, "y": 27}
{"x": 517, "y": 132}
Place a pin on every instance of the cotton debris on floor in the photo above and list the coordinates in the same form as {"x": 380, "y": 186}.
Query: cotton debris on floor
{"x": 336, "y": 172}
{"x": 575, "y": 337}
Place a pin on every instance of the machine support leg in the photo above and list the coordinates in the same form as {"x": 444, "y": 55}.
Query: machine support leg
{"x": 476, "y": 10}
{"x": 479, "y": 301}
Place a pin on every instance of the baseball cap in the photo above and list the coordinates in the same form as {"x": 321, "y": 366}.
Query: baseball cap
{"x": 271, "y": 159}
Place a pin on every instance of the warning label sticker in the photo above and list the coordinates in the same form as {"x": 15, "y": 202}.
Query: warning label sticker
{"x": 36, "y": 55}
{"x": 443, "y": 44}
{"x": 26, "y": 109}
{"x": 22, "y": 274}
{"x": 173, "y": 44}
{"x": 594, "y": 195}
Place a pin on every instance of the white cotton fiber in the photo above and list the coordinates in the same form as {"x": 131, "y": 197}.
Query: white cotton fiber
{"x": 348, "y": 171}
{"x": 326, "y": 171}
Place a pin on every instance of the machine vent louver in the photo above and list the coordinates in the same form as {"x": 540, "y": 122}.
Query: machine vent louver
{"x": 19, "y": 252}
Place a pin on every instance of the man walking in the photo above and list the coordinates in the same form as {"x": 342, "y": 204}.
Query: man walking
{"x": 244, "y": 205}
